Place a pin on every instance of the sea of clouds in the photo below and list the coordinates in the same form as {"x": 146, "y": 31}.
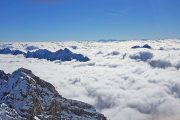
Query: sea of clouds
{"x": 121, "y": 82}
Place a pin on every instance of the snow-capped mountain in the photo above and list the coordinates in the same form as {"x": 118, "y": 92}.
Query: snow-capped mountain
{"x": 24, "y": 96}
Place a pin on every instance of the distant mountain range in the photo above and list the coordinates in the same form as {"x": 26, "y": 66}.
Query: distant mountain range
{"x": 63, "y": 55}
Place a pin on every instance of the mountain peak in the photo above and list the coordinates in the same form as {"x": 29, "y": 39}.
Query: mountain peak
{"x": 32, "y": 97}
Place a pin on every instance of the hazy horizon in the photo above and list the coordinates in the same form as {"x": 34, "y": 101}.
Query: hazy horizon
{"x": 143, "y": 39}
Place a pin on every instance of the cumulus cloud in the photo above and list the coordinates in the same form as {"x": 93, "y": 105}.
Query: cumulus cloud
{"x": 113, "y": 53}
{"x": 177, "y": 66}
{"x": 74, "y": 47}
{"x": 142, "y": 56}
{"x": 31, "y": 47}
{"x": 117, "y": 85}
{"x": 160, "y": 63}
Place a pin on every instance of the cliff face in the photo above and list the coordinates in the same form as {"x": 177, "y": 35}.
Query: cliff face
{"x": 29, "y": 98}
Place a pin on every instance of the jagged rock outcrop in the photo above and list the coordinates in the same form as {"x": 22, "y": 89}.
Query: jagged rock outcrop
{"x": 76, "y": 110}
{"x": 7, "y": 113}
{"x": 30, "y": 97}
{"x": 9, "y": 51}
{"x": 63, "y": 55}
{"x": 144, "y": 46}
{"x": 3, "y": 76}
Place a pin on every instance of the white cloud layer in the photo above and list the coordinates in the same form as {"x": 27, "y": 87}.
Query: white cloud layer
{"x": 122, "y": 83}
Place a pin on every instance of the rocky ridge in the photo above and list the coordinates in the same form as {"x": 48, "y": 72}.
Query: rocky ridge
{"x": 27, "y": 97}
{"x": 62, "y": 54}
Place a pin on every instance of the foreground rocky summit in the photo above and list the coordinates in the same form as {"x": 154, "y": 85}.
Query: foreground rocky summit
{"x": 24, "y": 96}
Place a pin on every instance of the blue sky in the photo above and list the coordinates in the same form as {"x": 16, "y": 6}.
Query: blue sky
{"x": 58, "y": 20}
